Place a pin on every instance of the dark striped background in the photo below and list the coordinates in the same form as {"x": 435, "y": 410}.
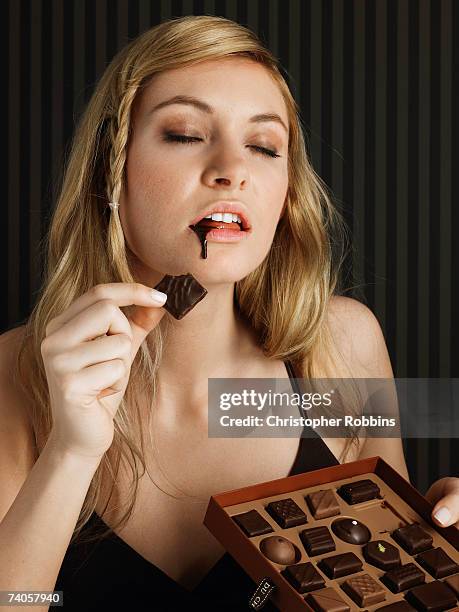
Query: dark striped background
{"x": 375, "y": 83}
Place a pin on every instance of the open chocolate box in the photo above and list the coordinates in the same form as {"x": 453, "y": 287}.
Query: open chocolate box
{"x": 355, "y": 536}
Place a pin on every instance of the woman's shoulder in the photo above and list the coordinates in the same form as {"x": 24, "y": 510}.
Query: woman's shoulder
{"x": 13, "y": 401}
{"x": 358, "y": 337}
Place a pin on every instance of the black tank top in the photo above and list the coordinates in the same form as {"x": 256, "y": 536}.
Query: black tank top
{"x": 109, "y": 574}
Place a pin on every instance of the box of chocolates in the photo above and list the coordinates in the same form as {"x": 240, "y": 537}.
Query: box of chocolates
{"x": 355, "y": 536}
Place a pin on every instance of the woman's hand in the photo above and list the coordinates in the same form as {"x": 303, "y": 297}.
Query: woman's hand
{"x": 444, "y": 494}
{"x": 87, "y": 354}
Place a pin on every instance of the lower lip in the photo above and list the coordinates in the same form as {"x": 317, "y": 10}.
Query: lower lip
{"x": 226, "y": 235}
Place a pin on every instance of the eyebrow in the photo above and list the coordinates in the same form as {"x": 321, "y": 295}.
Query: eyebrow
{"x": 206, "y": 108}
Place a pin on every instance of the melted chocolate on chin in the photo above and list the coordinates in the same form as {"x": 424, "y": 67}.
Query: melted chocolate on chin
{"x": 202, "y": 233}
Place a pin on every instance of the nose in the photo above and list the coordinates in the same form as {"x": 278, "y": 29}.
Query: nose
{"x": 226, "y": 167}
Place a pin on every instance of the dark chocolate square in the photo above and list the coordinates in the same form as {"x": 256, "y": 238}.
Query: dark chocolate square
{"x": 412, "y": 538}
{"x": 358, "y": 491}
{"x": 437, "y": 563}
{"x": 433, "y": 596}
{"x": 252, "y": 523}
{"x": 326, "y": 600}
{"x": 286, "y": 513}
{"x": 322, "y": 504}
{"x": 304, "y": 577}
{"x": 364, "y": 590}
{"x": 403, "y": 577}
{"x": 317, "y": 541}
{"x": 340, "y": 565}
{"x": 183, "y": 293}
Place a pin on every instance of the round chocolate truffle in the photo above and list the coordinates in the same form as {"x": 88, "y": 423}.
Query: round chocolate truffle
{"x": 278, "y": 549}
{"x": 351, "y": 530}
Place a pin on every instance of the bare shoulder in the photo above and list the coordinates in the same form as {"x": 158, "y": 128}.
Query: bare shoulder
{"x": 360, "y": 340}
{"x": 358, "y": 337}
{"x": 15, "y": 429}
{"x": 17, "y": 442}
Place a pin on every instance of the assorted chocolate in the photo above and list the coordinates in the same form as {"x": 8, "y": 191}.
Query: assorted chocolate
{"x": 413, "y": 538}
{"x": 304, "y": 577}
{"x": 437, "y": 563}
{"x": 359, "y": 491}
{"x": 364, "y": 590}
{"x": 280, "y": 550}
{"x": 431, "y": 596}
{"x": 351, "y": 531}
{"x": 341, "y": 556}
{"x": 183, "y": 293}
{"x": 317, "y": 540}
{"x": 403, "y": 577}
{"x": 252, "y": 523}
{"x": 286, "y": 513}
{"x": 381, "y": 554}
{"x": 322, "y": 504}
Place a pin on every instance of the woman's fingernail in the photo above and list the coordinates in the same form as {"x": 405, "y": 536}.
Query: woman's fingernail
{"x": 158, "y": 296}
{"x": 443, "y": 515}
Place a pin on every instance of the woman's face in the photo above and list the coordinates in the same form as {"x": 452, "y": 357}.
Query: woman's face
{"x": 169, "y": 184}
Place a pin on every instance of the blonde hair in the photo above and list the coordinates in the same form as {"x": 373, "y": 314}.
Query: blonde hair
{"x": 285, "y": 299}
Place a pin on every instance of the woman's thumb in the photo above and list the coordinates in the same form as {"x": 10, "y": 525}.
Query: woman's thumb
{"x": 142, "y": 320}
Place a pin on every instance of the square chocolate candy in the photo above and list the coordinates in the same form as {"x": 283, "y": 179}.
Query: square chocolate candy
{"x": 403, "y": 577}
{"x": 413, "y": 538}
{"x": 326, "y": 600}
{"x": 286, "y": 513}
{"x": 340, "y": 565}
{"x": 437, "y": 563}
{"x": 364, "y": 590}
{"x": 358, "y": 491}
{"x": 183, "y": 293}
{"x": 317, "y": 540}
{"x": 304, "y": 577}
{"x": 432, "y": 596}
{"x": 322, "y": 504}
{"x": 252, "y": 523}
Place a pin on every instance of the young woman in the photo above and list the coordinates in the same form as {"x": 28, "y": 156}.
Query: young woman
{"x": 191, "y": 118}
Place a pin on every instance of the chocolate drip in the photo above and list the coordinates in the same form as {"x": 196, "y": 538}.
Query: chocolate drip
{"x": 202, "y": 232}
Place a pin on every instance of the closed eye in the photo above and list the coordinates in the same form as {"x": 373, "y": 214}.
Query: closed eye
{"x": 168, "y": 137}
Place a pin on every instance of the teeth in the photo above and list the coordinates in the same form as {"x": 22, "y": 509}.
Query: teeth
{"x": 225, "y": 217}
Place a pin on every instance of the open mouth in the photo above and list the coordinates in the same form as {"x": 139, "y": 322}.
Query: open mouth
{"x": 224, "y": 221}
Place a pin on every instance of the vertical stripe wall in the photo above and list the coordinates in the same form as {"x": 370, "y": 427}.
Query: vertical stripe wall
{"x": 377, "y": 82}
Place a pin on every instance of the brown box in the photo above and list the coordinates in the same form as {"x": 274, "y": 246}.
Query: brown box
{"x": 398, "y": 504}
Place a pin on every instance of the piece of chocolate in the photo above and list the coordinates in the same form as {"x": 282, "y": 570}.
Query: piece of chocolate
{"x": 252, "y": 523}
{"x": 322, "y": 504}
{"x": 183, "y": 293}
{"x": 351, "y": 530}
{"x": 317, "y": 541}
{"x": 326, "y": 600}
{"x": 364, "y": 590}
{"x": 279, "y": 550}
{"x": 286, "y": 513}
{"x": 432, "y": 596}
{"x": 453, "y": 583}
{"x": 412, "y": 538}
{"x": 403, "y": 577}
{"x": 381, "y": 554}
{"x": 304, "y": 577}
{"x": 359, "y": 491}
{"x": 437, "y": 563}
{"x": 340, "y": 565}
{"x": 397, "y": 606}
